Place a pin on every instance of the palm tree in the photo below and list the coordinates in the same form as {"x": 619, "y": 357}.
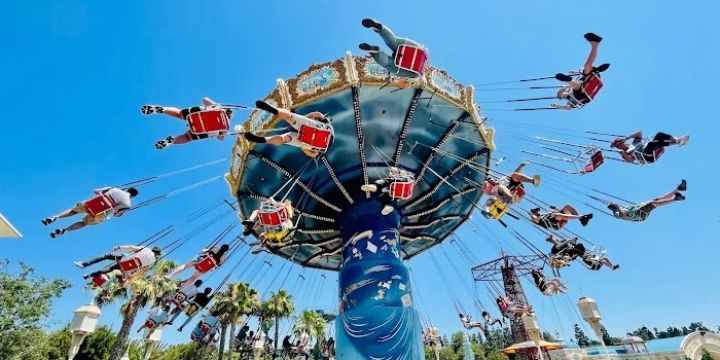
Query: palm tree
{"x": 311, "y": 323}
{"x": 280, "y": 305}
{"x": 137, "y": 292}
{"x": 232, "y": 304}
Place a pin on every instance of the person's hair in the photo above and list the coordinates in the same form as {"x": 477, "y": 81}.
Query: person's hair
{"x": 326, "y": 119}
{"x": 207, "y": 290}
{"x": 157, "y": 250}
{"x": 198, "y": 282}
{"x": 224, "y": 247}
{"x": 132, "y": 191}
{"x": 562, "y": 93}
{"x": 167, "y": 307}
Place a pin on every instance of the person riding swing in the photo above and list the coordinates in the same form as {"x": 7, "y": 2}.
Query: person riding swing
{"x": 510, "y": 187}
{"x": 407, "y": 59}
{"x": 641, "y": 211}
{"x": 206, "y": 121}
{"x": 128, "y": 261}
{"x": 199, "y": 302}
{"x": 272, "y": 222}
{"x": 106, "y": 201}
{"x": 469, "y": 324}
{"x": 556, "y": 218}
{"x": 646, "y": 152}
{"x": 207, "y": 260}
{"x": 313, "y": 132}
{"x": 398, "y": 185}
{"x": 547, "y": 287}
{"x": 156, "y": 320}
{"x": 183, "y": 297}
{"x": 204, "y": 333}
{"x": 579, "y": 93}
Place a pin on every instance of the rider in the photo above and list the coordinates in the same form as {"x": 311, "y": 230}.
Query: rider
{"x": 122, "y": 203}
{"x": 597, "y": 261}
{"x": 384, "y": 59}
{"x": 641, "y": 211}
{"x": 206, "y": 330}
{"x": 156, "y": 319}
{"x": 507, "y": 185}
{"x": 314, "y": 119}
{"x": 574, "y": 93}
{"x": 642, "y": 151}
{"x": 489, "y": 321}
{"x": 139, "y": 257}
{"x": 218, "y": 255}
{"x": 556, "y": 219}
{"x": 468, "y": 324}
{"x": 383, "y": 187}
{"x": 547, "y": 287}
{"x": 184, "y": 296}
{"x": 199, "y": 302}
{"x": 183, "y": 115}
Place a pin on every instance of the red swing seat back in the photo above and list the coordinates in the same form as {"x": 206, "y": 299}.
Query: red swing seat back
{"x": 206, "y": 264}
{"x": 592, "y": 85}
{"x": 179, "y": 298}
{"x": 658, "y": 152}
{"x": 402, "y": 190}
{"x": 208, "y": 122}
{"x": 316, "y": 138}
{"x": 596, "y": 159}
{"x": 99, "y": 205}
{"x": 411, "y": 58}
{"x": 130, "y": 265}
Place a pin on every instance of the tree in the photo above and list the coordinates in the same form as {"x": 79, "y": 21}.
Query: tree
{"x": 580, "y": 338}
{"x": 548, "y": 336}
{"x": 644, "y": 333}
{"x": 310, "y": 322}
{"x": 138, "y": 292}
{"x": 607, "y": 339}
{"x": 25, "y": 301}
{"x": 281, "y": 305}
{"x": 232, "y": 305}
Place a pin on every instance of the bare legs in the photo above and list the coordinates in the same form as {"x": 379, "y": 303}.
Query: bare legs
{"x": 588, "y": 67}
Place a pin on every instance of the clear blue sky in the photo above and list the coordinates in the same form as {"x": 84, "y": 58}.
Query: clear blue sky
{"x": 74, "y": 76}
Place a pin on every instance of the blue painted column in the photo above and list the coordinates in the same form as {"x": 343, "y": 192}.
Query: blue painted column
{"x": 377, "y": 318}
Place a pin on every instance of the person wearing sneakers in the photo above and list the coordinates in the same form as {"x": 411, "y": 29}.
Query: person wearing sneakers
{"x": 314, "y": 120}
{"x": 121, "y": 202}
{"x": 557, "y": 218}
{"x": 641, "y": 211}
{"x": 489, "y": 321}
{"x": 156, "y": 319}
{"x": 393, "y": 42}
{"x": 642, "y": 151}
{"x": 507, "y": 185}
{"x": 183, "y": 114}
{"x": 143, "y": 257}
{"x": 574, "y": 93}
{"x": 547, "y": 287}
{"x": 382, "y": 186}
{"x": 469, "y": 324}
{"x": 595, "y": 261}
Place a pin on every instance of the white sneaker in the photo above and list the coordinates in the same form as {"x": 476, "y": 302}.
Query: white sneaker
{"x": 536, "y": 180}
{"x": 387, "y": 209}
{"x": 79, "y": 264}
{"x": 683, "y": 140}
{"x": 369, "y": 188}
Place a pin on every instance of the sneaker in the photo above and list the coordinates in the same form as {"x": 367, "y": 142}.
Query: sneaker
{"x": 247, "y": 233}
{"x": 262, "y": 105}
{"x": 601, "y": 68}
{"x": 387, "y": 209}
{"x": 79, "y": 264}
{"x": 536, "y": 180}
{"x": 371, "y": 24}
{"x": 164, "y": 143}
{"x": 585, "y": 219}
{"x": 369, "y": 188}
{"x": 151, "y": 109}
{"x": 369, "y": 48}
{"x": 679, "y": 196}
{"x": 682, "y": 186}
{"x": 615, "y": 267}
{"x": 592, "y": 37}
{"x": 563, "y": 77}
{"x": 57, "y": 233}
{"x": 248, "y": 222}
{"x": 50, "y": 220}
{"x": 683, "y": 140}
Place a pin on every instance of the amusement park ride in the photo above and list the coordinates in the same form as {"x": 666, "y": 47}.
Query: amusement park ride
{"x": 340, "y": 227}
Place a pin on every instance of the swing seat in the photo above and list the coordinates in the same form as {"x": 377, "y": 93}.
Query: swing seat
{"x": 411, "y": 58}
{"x": 402, "y": 190}
{"x": 99, "y": 205}
{"x": 205, "y": 265}
{"x": 208, "y": 122}
{"x": 179, "y": 298}
{"x": 596, "y": 159}
{"x": 272, "y": 214}
{"x": 150, "y": 324}
{"x": 204, "y": 328}
{"x": 130, "y": 265}
{"x": 489, "y": 186}
{"x": 100, "y": 280}
{"x": 498, "y": 209}
{"x": 592, "y": 85}
{"x": 518, "y": 194}
{"x": 316, "y": 138}
{"x": 658, "y": 152}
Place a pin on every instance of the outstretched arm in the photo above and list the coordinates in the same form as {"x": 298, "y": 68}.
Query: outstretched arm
{"x": 207, "y": 101}
{"x": 562, "y": 107}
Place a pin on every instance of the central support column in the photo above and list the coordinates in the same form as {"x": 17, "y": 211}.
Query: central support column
{"x": 376, "y": 314}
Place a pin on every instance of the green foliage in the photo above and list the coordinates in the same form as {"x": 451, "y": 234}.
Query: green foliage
{"x": 706, "y": 355}
{"x": 580, "y": 338}
{"x": 644, "y": 333}
{"x": 25, "y": 301}
{"x": 311, "y": 323}
{"x": 185, "y": 352}
{"x": 607, "y": 339}
{"x": 98, "y": 345}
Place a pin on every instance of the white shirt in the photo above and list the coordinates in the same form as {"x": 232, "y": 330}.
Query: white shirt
{"x": 120, "y": 197}
{"x": 146, "y": 257}
{"x": 189, "y": 290}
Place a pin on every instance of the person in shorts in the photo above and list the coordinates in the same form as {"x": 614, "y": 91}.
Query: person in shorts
{"x": 574, "y": 93}
{"x": 641, "y": 151}
{"x": 641, "y": 211}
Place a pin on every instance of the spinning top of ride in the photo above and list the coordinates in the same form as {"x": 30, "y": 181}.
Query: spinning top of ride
{"x": 432, "y": 129}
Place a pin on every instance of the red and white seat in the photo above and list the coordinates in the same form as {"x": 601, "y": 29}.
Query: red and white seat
{"x": 411, "y": 58}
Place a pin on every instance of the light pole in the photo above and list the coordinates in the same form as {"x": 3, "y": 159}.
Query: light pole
{"x": 591, "y": 314}
{"x": 83, "y": 324}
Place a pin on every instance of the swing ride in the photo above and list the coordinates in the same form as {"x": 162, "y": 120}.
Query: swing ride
{"x": 340, "y": 227}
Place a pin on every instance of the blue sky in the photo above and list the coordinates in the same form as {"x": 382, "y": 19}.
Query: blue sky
{"x": 75, "y": 75}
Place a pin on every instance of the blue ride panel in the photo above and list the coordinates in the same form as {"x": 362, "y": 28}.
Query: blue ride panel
{"x": 377, "y": 319}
